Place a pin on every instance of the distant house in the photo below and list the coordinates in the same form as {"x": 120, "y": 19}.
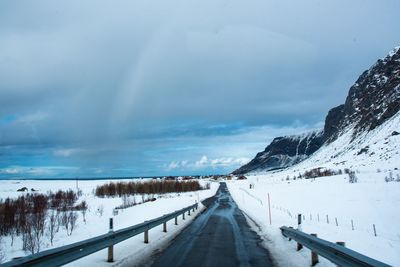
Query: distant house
{"x": 23, "y": 189}
{"x": 242, "y": 177}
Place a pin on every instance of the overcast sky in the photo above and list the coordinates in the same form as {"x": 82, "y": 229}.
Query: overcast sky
{"x": 138, "y": 87}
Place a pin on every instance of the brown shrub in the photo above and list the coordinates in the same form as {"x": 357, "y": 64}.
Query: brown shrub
{"x": 149, "y": 187}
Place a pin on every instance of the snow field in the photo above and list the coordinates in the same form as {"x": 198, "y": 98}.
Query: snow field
{"x": 129, "y": 252}
{"x": 370, "y": 201}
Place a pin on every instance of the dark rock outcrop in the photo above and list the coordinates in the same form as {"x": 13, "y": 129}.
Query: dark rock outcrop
{"x": 332, "y": 122}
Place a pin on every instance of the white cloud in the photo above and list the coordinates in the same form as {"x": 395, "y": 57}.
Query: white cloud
{"x": 206, "y": 163}
{"x": 10, "y": 171}
{"x": 173, "y": 165}
{"x": 202, "y": 162}
{"x": 32, "y": 118}
{"x": 67, "y": 152}
{"x": 226, "y": 162}
{"x": 36, "y": 171}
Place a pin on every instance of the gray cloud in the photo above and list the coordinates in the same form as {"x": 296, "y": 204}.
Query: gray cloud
{"x": 130, "y": 87}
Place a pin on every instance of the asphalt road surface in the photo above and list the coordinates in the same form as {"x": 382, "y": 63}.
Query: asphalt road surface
{"x": 220, "y": 236}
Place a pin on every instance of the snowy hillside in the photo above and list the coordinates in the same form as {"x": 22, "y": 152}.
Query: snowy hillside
{"x": 376, "y": 150}
{"x": 371, "y": 151}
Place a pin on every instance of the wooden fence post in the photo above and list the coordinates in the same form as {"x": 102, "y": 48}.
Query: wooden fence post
{"x": 110, "y": 257}
{"x": 176, "y": 220}
{"x": 374, "y": 229}
{"x": 165, "y": 227}
{"x": 269, "y": 210}
{"x": 352, "y": 225}
{"x": 314, "y": 256}
{"x": 183, "y": 216}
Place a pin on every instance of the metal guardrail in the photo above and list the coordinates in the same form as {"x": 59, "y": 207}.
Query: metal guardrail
{"x": 65, "y": 254}
{"x": 337, "y": 254}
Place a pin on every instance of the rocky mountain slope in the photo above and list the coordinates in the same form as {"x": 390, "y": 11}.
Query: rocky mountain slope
{"x": 284, "y": 151}
{"x": 373, "y": 100}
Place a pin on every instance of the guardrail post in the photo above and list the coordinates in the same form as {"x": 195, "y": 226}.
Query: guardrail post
{"x": 110, "y": 256}
{"x": 314, "y": 256}
{"x": 183, "y": 216}
{"x": 146, "y": 236}
{"x": 299, "y": 246}
{"x": 165, "y": 227}
{"x": 336, "y": 253}
{"x": 341, "y": 243}
{"x": 189, "y": 212}
{"x": 72, "y": 252}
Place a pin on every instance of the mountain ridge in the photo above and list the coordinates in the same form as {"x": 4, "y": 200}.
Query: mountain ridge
{"x": 372, "y": 100}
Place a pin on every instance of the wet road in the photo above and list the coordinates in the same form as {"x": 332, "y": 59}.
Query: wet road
{"x": 220, "y": 236}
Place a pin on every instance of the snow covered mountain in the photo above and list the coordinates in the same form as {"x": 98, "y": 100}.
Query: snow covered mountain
{"x": 364, "y": 130}
{"x": 284, "y": 151}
